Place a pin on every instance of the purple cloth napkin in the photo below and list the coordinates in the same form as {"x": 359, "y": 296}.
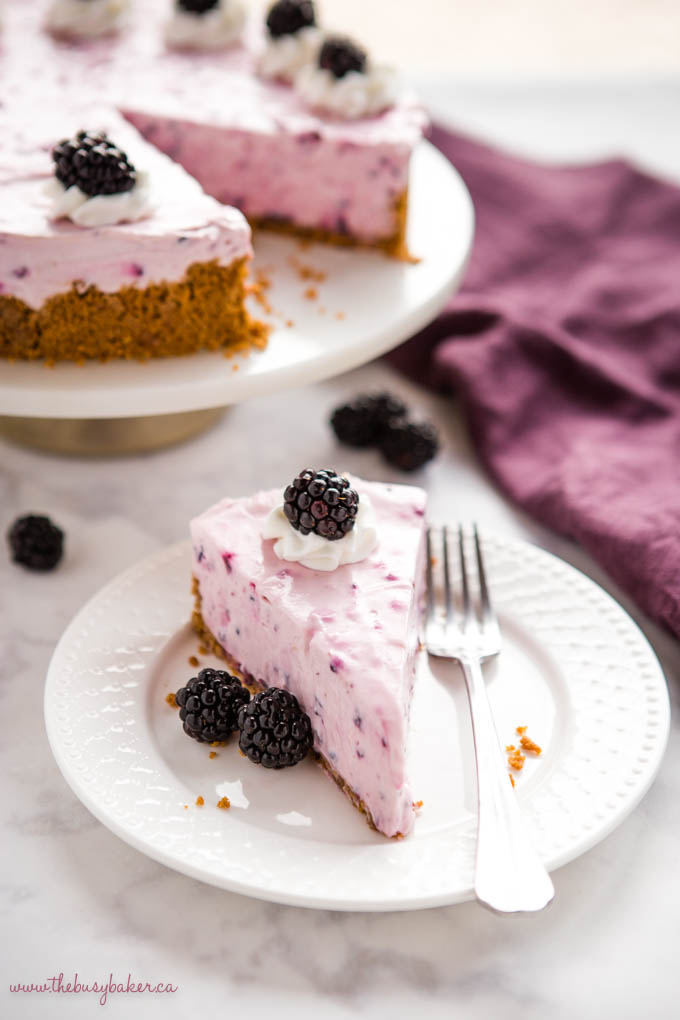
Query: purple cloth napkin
{"x": 564, "y": 347}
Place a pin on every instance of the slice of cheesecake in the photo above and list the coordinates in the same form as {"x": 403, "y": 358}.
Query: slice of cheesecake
{"x": 344, "y": 641}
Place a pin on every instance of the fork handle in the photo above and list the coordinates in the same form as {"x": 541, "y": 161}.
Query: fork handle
{"x": 509, "y": 875}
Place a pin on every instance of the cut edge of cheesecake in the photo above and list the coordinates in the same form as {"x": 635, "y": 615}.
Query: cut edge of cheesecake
{"x": 394, "y": 245}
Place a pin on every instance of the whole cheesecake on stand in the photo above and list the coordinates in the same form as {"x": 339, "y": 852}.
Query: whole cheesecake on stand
{"x": 278, "y": 120}
{"x": 293, "y": 126}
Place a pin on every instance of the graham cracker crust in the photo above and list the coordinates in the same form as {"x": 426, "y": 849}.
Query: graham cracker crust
{"x": 203, "y": 312}
{"x": 394, "y": 245}
{"x": 208, "y": 640}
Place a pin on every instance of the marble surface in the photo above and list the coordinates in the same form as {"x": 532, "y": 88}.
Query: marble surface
{"x": 73, "y": 898}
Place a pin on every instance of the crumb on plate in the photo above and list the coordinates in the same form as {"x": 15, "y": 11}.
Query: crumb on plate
{"x": 516, "y": 760}
{"x": 307, "y": 272}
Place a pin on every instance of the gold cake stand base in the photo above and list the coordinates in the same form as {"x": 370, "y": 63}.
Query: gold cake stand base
{"x": 107, "y": 437}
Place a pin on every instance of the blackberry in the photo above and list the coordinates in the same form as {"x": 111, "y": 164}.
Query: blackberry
{"x": 93, "y": 163}
{"x": 210, "y": 703}
{"x": 275, "y": 732}
{"x": 197, "y": 6}
{"x": 289, "y": 16}
{"x": 36, "y": 542}
{"x": 363, "y": 420}
{"x": 322, "y": 502}
{"x": 408, "y": 445}
{"x": 339, "y": 55}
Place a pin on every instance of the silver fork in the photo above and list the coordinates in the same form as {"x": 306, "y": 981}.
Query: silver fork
{"x": 509, "y": 876}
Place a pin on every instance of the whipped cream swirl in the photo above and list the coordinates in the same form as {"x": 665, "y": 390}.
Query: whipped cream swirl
{"x": 357, "y": 94}
{"x": 316, "y": 552}
{"x": 100, "y": 210}
{"x": 85, "y": 19}
{"x": 285, "y": 55}
{"x": 217, "y": 28}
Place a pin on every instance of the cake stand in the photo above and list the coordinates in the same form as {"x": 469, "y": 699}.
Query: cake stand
{"x": 331, "y": 309}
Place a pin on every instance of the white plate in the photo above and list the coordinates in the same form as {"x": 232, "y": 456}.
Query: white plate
{"x": 575, "y": 669}
{"x": 366, "y": 305}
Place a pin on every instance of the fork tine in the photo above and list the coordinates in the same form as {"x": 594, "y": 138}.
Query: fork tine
{"x": 467, "y": 602}
{"x": 484, "y": 597}
{"x": 448, "y": 604}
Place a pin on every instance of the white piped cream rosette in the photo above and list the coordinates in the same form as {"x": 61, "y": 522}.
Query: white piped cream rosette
{"x": 314, "y": 551}
{"x": 116, "y": 191}
{"x": 100, "y": 210}
{"x": 354, "y": 94}
{"x": 284, "y": 56}
{"x": 357, "y": 94}
{"x": 214, "y": 29}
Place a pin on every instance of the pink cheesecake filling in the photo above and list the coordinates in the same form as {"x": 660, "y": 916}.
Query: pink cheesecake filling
{"x": 40, "y": 257}
{"x": 355, "y": 191}
{"x": 344, "y": 642}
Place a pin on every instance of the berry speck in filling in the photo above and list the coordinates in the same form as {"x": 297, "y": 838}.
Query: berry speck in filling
{"x": 340, "y": 55}
{"x": 275, "y": 731}
{"x": 409, "y": 445}
{"x": 35, "y": 542}
{"x": 197, "y": 6}
{"x": 287, "y": 17}
{"x": 362, "y": 421}
{"x": 321, "y": 502}
{"x": 94, "y": 164}
{"x": 209, "y": 705}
